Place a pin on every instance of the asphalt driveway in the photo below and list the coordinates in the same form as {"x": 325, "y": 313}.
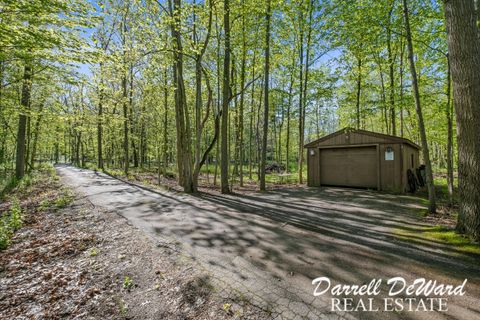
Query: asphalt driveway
{"x": 268, "y": 247}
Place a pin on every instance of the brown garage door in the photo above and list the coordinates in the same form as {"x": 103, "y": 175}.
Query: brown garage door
{"x": 349, "y": 167}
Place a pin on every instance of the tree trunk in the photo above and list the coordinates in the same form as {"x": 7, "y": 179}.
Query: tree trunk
{"x": 143, "y": 138}
{"x": 217, "y": 156}
{"x": 126, "y": 158}
{"x": 36, "y": 136}
{"x": 181, "y": 115}
{"x": 402, "y": 49}
{"x": 265, "y": 103}
{"x": 28, "y": 140}
{"x": 57, "y": 148}
{"x": 235, "y": 137}
{"x": 464, "y": 49}
{"x": 258, "y": 135}
{"x": 300, "y": 105}
{"x": 448, "y": 114}
{"x": 133, "y": 134}
{"x": 165, "y": 122}
{"x": 305, "y": 87}
{"x": 383, "y": 97}
{"x": 391, "y": 60}
{"x": 82, "y": 153}
{"x": 225, "y": 102}
{"x": 242, "y": 100}
{"x": 359, "y": 90}
{"x": 78, "y": 143}
{"x": 22, "y": 122}
{"x": 100, "y": 124}
{"x": 199, "y": 120}
{"x": 303, "y": 90}
{"x": 218, "y": 103}
{"x": 204, "y": 157}
{"x": 252, "y": 116}
{"x": 421, "y": 126}
{"x": 290, "y": 98}
{"x": 198, "y": 111}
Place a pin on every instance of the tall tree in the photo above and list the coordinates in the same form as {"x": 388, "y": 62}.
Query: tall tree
{"x": 289, "y": 107}
{"x": 182, "y": 118}
{"x": 266, "y": 96}
{"x": 22, "y": 121}
{"x": 200, "y": 119}
{"x": 226, "y": 93}
{"x": 359, "y": 91}
{"x": 464, "y": 52}
{"x": 301, "y": 112}
{"x": 240, "y": 146}
{"x": 449, "y": 116}
{"x": 421, "y": 125}
{"x": 123, "y": 32}
{"x": 391, "y": 74}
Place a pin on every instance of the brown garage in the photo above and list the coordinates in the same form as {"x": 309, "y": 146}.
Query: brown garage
{"x": 361, "y": 159}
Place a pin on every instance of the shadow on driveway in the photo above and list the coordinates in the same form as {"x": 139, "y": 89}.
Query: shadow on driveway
{"x": 281, "y": 240}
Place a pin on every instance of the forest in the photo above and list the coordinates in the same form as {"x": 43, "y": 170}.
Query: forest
{"x": 212, "y": 92}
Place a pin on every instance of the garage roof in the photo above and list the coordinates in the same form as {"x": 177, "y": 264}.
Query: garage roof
{"x": 387, "y": 137}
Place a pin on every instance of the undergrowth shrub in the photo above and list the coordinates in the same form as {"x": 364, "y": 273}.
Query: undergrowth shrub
{"x": 10, "y": 222}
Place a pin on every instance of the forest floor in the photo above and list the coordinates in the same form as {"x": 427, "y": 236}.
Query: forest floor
{"x": 95, "y": 247}
{"x": 207, "y": 181}
{"x": 74, "y": 260}
{"x": 264, "y": 249}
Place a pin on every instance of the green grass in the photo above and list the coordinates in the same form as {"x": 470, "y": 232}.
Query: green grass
{"x": 127, "y": 283}
{"x": 442, "y": 235}
{"x": 441, "y": 188}
{"x": 64, "y": 199}
{"x": 441, "y": 194}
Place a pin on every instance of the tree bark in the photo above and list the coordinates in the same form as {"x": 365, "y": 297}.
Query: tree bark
{"x": 464, "y": 51}
{"x": 391, "y": 61}
{"x": 36, "y": 136}
{"x": 199, "y": 121}
{"x": 242, "y": 100}
{"x": 383, "y": 97}
{"x": 126, "y": 157}
{"x": 300, "y": 105}
{"x": 225, "y": 102}
{"x": 402, "y": 49}
{"x": 131, "y": 123}
{"x": 359, "y": 89}
{"x": 165, "y": 122}
{"x": 290, "y": 98}
{"x": 448, "y": 114}
{"x": 304, "y": 88}
{"x": 198, "y": 112}
{"x": 22, "y": 122}
{"x": 218, "y": 103}
{"x": 184, "y": 156}
{"x": 28, "y": 140}
{"x": 265, "y": 103}
{"x": 287, "y": 139}
{"x": 252, "y": 116}
{"x": 421, "y": 126}
{"x": 100, "y": 123}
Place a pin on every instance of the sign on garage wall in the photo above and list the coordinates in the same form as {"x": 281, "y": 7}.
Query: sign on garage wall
{"x": 389, "y": 154}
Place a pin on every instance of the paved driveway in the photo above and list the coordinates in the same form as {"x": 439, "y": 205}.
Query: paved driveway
{"x": 268, "y": 247}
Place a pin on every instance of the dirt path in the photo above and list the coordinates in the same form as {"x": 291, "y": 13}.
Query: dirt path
{"x": 267, "y": 248}
{"x": 79, "y": 261}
